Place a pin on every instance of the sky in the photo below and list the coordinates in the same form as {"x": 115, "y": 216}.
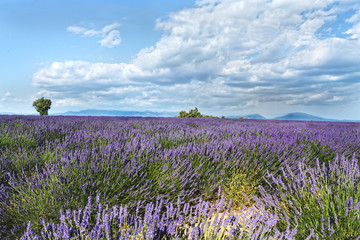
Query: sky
{"x": 225, "y": 57}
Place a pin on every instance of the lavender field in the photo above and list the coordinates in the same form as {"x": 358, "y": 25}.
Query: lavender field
{"x": 178, "y": 178}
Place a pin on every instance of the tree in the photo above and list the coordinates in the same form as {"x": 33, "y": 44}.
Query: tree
{"x": 42, "y": 105}
{"x": 194, "y": 113}
{"x": 183, "y": 114}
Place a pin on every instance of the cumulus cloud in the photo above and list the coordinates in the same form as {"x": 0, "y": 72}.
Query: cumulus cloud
{"x": 69, "y": 102}
{"x": 354, "y": 32}
{"x": 6, "y": 96}
{"x": 229, "y": 54}
{"x": 9, "y": 97}
{"x": 110, "y": 35}
{"x": 354, "y": 18}
{"x": 82, "y": 76}
{"x": 112, "y": 39}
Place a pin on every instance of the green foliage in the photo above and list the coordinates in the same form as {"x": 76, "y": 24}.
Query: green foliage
{"x": 183, "y": 114}
{"x": 194, "y": 113}
{"x": 209, "y": 116}
{"x": 238, "y": 187}
{"x": 325, "y": 200}
{"x": 42, "y": 105}
{"x": 167, "y": 143}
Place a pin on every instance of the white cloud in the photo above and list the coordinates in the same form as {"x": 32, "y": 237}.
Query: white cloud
{"x": 335, "y": 99}
{"x": 83, "y": 31}
{"x": 69, "y": 102}
{"x": 309, "y": 99}
{"x": 112, "y": 39}
{"x": 80, "y": 75}
{"x": 354, "y": 18}
{"x": 354, "y": 31}
{"x": 229, "y": 54}
{"x": 9, "y": 97}
{"x": 6, "y": 96}
{"x": 110, "y": 27}
{"x": 110, "y": 36}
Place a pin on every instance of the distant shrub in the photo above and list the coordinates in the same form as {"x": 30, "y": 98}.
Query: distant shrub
{"x": 194, "y": 113}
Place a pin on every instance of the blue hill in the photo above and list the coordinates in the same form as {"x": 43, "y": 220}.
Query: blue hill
{"x": 302, "y": 117}
{"x": 296, "y": 116}
{"x": 254, "y": 116}
{"x": 118, "y": 113}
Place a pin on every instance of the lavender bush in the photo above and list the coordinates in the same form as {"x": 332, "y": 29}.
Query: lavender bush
{"x": 183, "y": 222}
{"x": 51, "y": 166}
{"x": 324, "y": 199}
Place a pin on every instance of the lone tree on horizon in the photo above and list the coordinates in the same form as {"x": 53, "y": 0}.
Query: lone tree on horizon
{"x": 42, "y": 105}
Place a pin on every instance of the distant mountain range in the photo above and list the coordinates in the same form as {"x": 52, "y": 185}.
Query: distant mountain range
{"x": 303, "y": 117}
{"x": 117, "y": 113}
{"x": 7, "y": 113}
{"x": 298, "y": 116}
{"x": 254, "y": 116}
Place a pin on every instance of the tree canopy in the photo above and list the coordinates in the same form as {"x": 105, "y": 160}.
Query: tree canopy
{"x": 42, "y": 105}
{"x": 194, "y": 113}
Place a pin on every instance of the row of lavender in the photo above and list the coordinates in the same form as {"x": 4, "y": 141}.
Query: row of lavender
{"x": 51, "y": 168}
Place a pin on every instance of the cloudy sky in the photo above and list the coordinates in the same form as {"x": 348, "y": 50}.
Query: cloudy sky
{"x": 226, "y": 57}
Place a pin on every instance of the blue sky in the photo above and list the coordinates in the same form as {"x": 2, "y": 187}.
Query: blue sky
{"x": 227, "y": 57}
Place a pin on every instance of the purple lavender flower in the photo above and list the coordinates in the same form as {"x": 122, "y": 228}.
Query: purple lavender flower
{"x": 150, "y": 232}
{"x": 349, "y": 205}
{"x": 107, "y": 226}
